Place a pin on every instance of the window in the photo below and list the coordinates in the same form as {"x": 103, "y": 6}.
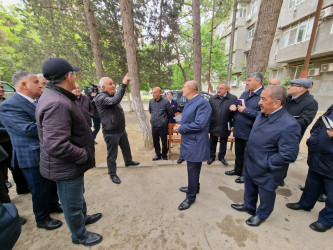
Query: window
{"x": 241, "y": 12}
{"x": 293, "y": 3}
{"x": 251, "y": 33}
{"x": 254, "y": 7}
{"x": 297, "y": 33}
{"x": 332, "y": 28}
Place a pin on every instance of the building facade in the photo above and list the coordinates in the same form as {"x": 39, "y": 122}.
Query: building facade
{"x": 290, "y": 43}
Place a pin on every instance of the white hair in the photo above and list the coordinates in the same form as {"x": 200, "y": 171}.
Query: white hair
{"x": 101, "y": 82}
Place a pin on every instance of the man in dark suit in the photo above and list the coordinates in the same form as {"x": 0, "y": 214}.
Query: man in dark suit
{"x": 220, "y": 121}
{"x": 174, "y": 106}
{"x": 18, "y": 117}
{"x": 320, "y": 174}
{"x": 243, "y": 121}
{"x": 273, "y": 144}
{"x": 83, "y": 102}
{"x": 194, "y": 147}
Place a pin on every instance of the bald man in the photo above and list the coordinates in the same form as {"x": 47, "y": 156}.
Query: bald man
{"x": 160, "y": 110}
{"x": 113, "y": 121}
{"x": 274, "y": 82}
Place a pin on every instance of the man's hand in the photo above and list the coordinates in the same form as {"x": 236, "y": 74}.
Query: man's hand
{"x": 241, "y": 108}
{"x": 330, "y": 133}
{"x": 126, "y": 79}
{"x": 233, "y": 107}
{"x": 176, "y": 128}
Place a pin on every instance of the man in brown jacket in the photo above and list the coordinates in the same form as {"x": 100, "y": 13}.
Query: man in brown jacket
{"x": 66, "y": 147}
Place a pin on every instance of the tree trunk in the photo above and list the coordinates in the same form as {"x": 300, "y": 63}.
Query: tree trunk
{"x": 128, "y": 28}
{"x": 160, "y": 45}
{"x": 263, "y": 37}
{"x": 197, "y": 57}
{"x": 210, "y": 87}
{"x": 91, "y": 21}
{"x": 129, "y": 101}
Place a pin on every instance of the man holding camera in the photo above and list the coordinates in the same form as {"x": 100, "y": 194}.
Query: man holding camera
{"x": 83, "y": 103}
{"x": 243, "y": 120}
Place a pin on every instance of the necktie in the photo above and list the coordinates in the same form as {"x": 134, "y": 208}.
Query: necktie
{"x": 251, "y": 93}
{"x": 35, "y": 102}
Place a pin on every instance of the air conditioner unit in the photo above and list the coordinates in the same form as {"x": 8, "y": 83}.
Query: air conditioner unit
{"x": 326, "y": 12}
{"x": 314, "y": 72}
{"x": 249, "y": 17}
{"x": 326, "y": 67}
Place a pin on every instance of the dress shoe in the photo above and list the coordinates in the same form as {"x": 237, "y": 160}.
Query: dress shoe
{"x": 224, "y": 162}
{"x": 322, "y": 198}
{"x": 242, "y": 208}
{"x": 165, "y": 158}
{"x": 231, "y": 172}
{"x": 180, "y": 160}
{"x": 88, "y": 239}
{"x": 56, "y": 209}
{"x": 115, "y": 179}
{"x": 282, "y": 183}
{"x": 156, "y": 158}
{"x": 317, "y": 226}
{"x": 95, "y": 142}
{"x": 186, "y": 204}
{"x": 302, "y": 188}
{"x": 93, "y": 218}
{"x": 296, "y": 206}
{"x": 23, "y": 221}
{"x": 8, "y": 184}
{"x": 240, "y": 179}
{"x": 254, "y": 221}
{"x": 49, "y": 224}
{"x": 184, "y": 189}
{"x": 132, "y": 163}
{"x": 210, "y": 161}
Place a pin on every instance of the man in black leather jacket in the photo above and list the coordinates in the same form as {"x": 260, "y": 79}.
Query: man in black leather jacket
{"x": 113, "y": 121}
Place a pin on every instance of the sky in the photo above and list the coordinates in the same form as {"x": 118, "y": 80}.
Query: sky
{"x": 8, "y": 2}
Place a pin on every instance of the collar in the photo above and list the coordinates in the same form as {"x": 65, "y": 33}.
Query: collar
{"x": 255, "y": 91}
{"x": 276, "y": 114}
{"x": 26, "y": 97}
{"x": 298, "y": 99}
{"x": 63, "y": 91}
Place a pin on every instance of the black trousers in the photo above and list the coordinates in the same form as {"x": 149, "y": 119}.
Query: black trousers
{"x": 193, "y": 174}
{"x": 223, "y": 146}
{"x": 112, "y": 143}
{"x": 19, "y": 179}
{"x": 162, "y": 133}
{"x": 240, "y": 145}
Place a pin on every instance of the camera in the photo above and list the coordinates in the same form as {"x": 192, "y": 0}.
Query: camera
{"x": 93, "y": 88}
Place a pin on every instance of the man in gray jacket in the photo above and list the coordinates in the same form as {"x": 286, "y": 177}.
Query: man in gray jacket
{"x": 160, "y": 110}
{"x": 113, "y": 121}
{"x": 66, "y": 147}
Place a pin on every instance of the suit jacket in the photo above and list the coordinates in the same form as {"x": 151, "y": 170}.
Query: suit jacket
{"x": 18, "y": 117}
{"x": 243, "y": 122}
{"x": 194, "y": 129}
{"x": 174, "y": 107}
{"x": 221, "y": 115}
{"x": 273, "y": 144}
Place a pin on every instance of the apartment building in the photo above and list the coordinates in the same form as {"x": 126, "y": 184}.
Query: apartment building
{"x": 290, "y": 43}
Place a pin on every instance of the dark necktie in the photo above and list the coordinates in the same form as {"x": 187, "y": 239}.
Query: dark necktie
{"x": 251, "y": 93}
{"x": 35, "y": 102}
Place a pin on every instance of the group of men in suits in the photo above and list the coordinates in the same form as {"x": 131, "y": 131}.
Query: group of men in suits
{"x": 267, "y": 138}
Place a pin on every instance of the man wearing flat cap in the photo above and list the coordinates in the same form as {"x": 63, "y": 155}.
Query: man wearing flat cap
{"x": 301, "y": 104}
{"x": 67, "y": 147}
